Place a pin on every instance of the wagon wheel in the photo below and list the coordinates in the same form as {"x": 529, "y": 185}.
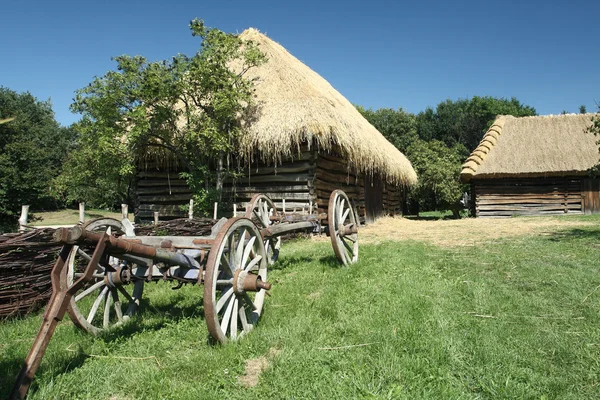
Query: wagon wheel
{"x": 234, "y": 282}
{"x": 259, "y": 210}
{"x": 108, "y": 299}
{"x": 343, "y": 228}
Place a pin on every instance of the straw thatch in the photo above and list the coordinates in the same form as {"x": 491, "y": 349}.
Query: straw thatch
{"x": 296, "y": 104}
{"x": 553, "y": 145}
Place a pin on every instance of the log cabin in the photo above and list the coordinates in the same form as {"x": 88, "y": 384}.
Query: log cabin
{"x": 534, "y": 166}
{"x": 305, "y": 141}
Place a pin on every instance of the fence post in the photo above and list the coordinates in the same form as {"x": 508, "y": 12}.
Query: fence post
{"x": 23, "y": 218}
{"x": 215, "y": 213}
{"x": 191, "y": 210}
{"x": 81, "y": 212}
{"x": 310, "y": 207}
{"x": 234, "y": 210}
{"x": 155, "y": 217}
{"x": 124, "y": 211}
{"x": 283, "y": 200}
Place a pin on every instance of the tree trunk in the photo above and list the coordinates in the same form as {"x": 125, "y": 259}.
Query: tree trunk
{"x": 220, "y": 177}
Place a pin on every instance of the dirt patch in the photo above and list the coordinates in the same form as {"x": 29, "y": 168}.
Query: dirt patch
{"x": 255, "y": 366}
{"x": 462, "y": 232}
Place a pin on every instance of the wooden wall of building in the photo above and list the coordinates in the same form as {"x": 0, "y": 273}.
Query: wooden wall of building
{"x": 304, "y": 180}
{"x": 160, "y": 191}
{"x": 533, "y": 196}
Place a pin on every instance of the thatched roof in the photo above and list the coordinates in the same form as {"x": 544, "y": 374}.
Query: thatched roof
{"x": 297, "y": 104}
{"x": 553, "y": 145}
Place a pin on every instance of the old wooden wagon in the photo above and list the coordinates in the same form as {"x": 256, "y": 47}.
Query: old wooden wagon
{"x": 101, "y": 270}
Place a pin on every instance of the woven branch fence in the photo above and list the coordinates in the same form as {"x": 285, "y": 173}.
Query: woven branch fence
{"x": 26, "y": 261}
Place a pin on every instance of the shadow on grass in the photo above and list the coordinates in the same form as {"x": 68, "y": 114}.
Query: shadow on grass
{"x": 289, "y": 261}
{"x": 155, "y": 317}
{"x": 331, "y": 261}
{"x": 10, "y": 367}
{"x": 576, "y": 234}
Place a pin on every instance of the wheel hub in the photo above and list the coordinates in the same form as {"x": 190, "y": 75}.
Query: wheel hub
{"x": 243, "y": 281}
{"x": 121, "y": 276}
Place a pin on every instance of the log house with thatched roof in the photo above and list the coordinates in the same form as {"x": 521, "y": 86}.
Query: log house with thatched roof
{"x": 534, "y": 166}
{"x": 306, "y": 141}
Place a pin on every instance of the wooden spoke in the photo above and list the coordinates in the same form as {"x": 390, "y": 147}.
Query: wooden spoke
{"x": 224, "y": 298}
{"x": 117, "y": 304}
{"x": 106, "y": 317}
{"x": 234, "y": 319}
{"x": 89, "y": 290}
{"x": 227, "y": 316}
{"x": 84, "y": 306}
{"x": 245, "y": 325}
{"x": 340, "y": 211}
{"x": 247, "y": 251}
{"x": 254, "y": 264}
{"x": 96, "y": 304}
{"x": 226, "y": 310}
{"x": 259, "y": 211}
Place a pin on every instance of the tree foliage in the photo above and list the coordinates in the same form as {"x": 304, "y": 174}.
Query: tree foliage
{"x": 398, "y": 126}
{"x": 186, "y": 110}
{"x": 438, "y": 168}
{"x": 465, "y": 121}
{"x": 32, "y": 147}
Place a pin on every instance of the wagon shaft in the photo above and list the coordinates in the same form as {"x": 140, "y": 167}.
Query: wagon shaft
{"x": 78, "y": 235}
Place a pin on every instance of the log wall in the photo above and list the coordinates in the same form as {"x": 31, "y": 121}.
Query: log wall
{"x": 307, "y": 178}
{"x": 160, "y": 191}
{"x": 533, "y": 196}
{"x": 292, "y": 180}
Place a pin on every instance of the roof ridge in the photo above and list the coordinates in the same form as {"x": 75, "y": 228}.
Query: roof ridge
{"x": 478, "y": 156}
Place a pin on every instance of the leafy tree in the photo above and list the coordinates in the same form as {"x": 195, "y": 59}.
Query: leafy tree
{"x": 438, "y": 169}
{"x": 465, "y": 121}
{"x": 398, "y": 126}
{"x": 582, "y": 109}
{"x": 186, "y": 110}
{"x": 32, "y": 147}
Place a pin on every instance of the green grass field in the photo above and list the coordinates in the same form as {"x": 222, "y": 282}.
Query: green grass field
{"x": 514, "y": 318}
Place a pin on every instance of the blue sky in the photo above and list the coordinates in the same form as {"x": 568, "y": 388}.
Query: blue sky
{"x": 376, "y": 53}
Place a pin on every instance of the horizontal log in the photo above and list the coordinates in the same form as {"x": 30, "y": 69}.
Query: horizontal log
{"x": 252, "y": 180}
{"x": 286, "y": 168}
{"x": 165, "y": 199}
{"x": 279, "y": 196}
{"x": 530, "y": 208}
{"x": 156, "y": 190}
{"x": 529, "y": 201}
{"x": 336, "y": 177}
{"x": 528, "y": 189}
{"x": 528, "y": 196}
{"x": 338, "y": 166}
{"x": 268, "y": 188}
{"x": 161, "y": 182}
{"x": 331, "y": 186}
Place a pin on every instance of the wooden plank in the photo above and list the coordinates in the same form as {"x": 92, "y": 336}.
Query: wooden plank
{"x": 288, "y": 178}
{"x": 162, "y": 190}
{"x": 529, "y": 201}
{"x": 279, "y": 196}
{"x": 161, "y": 182}
{"x": 268, "y": 188}
{"x": 522, "y": 207}
{"x": 175, "y": 198}
{"x": 286, "y": 168}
